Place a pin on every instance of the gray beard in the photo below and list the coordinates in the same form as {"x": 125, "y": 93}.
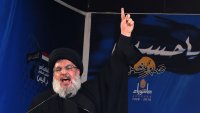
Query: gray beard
{"x": 69, "y": 91}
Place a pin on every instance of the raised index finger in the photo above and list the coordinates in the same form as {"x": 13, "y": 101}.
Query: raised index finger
{"x": 122, "y": 14}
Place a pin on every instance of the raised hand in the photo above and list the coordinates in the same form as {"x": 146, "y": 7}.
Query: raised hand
{"x": 127, "y": 24}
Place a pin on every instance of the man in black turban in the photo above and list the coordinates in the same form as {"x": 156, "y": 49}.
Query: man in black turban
{"x": 107, "y": 93}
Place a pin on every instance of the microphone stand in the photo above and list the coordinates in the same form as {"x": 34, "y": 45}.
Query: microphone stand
{"x": 42, "y": 103}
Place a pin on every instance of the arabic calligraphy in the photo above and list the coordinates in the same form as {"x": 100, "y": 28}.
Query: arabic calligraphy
{"x": 43, "y": 74}
{"x": 177, "y": 50}
{"x": 42, "y": 80}
{"x": 142, "y": 93}
{"x": 143, "y": 90}
{"x": 45, "y": 69}
{"x": 146, "y": 66}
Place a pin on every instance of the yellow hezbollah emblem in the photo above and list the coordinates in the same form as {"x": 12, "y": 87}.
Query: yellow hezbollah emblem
{"x": 146, "y": 66}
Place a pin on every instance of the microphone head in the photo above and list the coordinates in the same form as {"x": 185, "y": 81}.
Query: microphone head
{"x": 68, "y": 95}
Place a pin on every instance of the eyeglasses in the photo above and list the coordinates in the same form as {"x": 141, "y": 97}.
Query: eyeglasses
{"x": 67, "y": 68}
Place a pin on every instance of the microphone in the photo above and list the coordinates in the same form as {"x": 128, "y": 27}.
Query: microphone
{"x": 42, "y": 103}
{"x": 68, "y": 96}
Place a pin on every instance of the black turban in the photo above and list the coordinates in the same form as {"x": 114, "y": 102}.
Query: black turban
{"x": 65, "y": 53}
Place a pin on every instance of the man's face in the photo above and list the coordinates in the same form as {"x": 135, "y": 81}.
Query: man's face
{"x": 66, "y": 78}
{"x": 65, "y": 71}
